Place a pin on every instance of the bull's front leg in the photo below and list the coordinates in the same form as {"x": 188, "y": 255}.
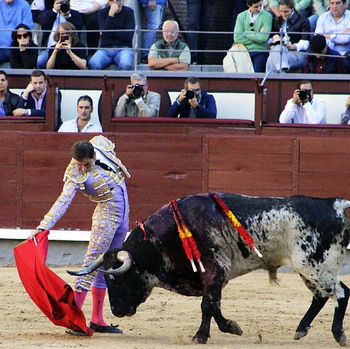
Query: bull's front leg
{"x": 211, "y": 308}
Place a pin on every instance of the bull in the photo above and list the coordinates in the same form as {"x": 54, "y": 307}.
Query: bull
{"x": 309, "y": 235}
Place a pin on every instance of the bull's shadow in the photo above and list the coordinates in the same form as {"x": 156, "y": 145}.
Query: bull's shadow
{"x": 307, "y": 234}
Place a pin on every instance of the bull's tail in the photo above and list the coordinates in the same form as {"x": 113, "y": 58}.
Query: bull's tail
{"x": 273, "y": 276}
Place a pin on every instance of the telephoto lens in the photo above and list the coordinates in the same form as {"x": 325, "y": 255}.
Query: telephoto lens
{"x": 137, "y": 91}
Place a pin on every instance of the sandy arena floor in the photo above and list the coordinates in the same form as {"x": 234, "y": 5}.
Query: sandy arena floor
{"x": 268, "y": 316}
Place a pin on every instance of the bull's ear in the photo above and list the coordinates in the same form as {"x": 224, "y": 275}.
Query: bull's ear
{"x": 94, "y": 266}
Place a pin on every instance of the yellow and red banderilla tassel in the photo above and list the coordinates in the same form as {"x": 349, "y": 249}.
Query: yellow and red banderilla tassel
{"x": 247, "y": 238}
{"x": 187, "y": 239}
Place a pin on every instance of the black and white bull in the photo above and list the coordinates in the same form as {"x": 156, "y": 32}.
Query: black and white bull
{"x": 307, "y": 234}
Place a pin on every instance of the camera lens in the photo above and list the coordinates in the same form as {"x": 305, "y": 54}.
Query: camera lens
{"x": 137, "y": 91}
{"x": 64, "y": 7}
{"x": 190, "y": 94}
{"x": 303, "y": 94}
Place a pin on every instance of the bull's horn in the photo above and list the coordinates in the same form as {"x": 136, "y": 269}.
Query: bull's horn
{"x": 92, "y": 267}
{"x": 122, "y": 256}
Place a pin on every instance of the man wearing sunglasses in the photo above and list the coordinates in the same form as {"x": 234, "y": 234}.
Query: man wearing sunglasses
{"x": 304, "y": 108}
{"x": 192, "y": 102}
{"x": 137, "y": 100}
{"x": 12, "y": 13}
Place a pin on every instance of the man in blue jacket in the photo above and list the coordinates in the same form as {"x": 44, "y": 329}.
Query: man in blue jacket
{"x": 192, "y": 102}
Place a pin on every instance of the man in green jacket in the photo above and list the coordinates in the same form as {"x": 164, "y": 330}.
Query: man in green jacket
{"x": 252, "y": 29}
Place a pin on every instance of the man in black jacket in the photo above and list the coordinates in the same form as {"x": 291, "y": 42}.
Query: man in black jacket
{"x": 49, "y": 20}
{"x": 192, "y": 102}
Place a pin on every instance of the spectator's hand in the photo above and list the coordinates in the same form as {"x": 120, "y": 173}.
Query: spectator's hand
{"x": 152, "y": 4}
{"x": 18, "y": 112}
{"x": 289, "y": 46}
{"x": 115, "y": 8}
{"x": 347, "y": 30}
{"x": 296, "y": 99}
{"x": 29, "y": 89}
{"x": 182, "y": 95}
{"x": 262, "y": 29}
{"x": 23, "y": 42}
{"x": 193, "y": 102}
{"x": 347, "y": 104}
{"x": 276, "y": 38}
{"x": 129, "y": 91}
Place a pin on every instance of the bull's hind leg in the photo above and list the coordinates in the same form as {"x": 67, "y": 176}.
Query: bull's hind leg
{"x": 341, "y": 292}
{"x": 339, "y": 313}
{"x": 318, "y": 302}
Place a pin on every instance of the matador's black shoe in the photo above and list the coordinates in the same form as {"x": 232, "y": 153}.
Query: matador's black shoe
{"x": 105, "y": 329}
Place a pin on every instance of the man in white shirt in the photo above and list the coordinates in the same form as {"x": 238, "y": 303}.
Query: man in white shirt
{"x": 83, "y": 123}
{"x": 304, "y": 108}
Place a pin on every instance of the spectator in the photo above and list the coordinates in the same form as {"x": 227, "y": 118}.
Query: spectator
{"x": 12, "y": 13}
{"x": 153, "y": 10}
{"x": 8, "y": 100}
{"x": 69, "y": 52}
{"x": 335, "y": 26}
{"x": 323, "y": 60}
{"x": 49, "y": 20}
{"x": 33, "y": 99}
{"x": 252, "y": 29}
{"x": 116, "y": 45}
{"x": 170, "y": 53}
{"x": 37, "y": 6}
{"x": 345, "y": 116}
{"x": 199, "y": 14}
{"x": 319, "y": 8}
{"x": 24, "y": 52}
{"x": 288, "y": 50}
{"x": 82, "y": 123}
{"x": 88, "y": 10}
{"x": 192, "y": 102}
{"x": 304, "y": 108}
{"x": 137, "y": 100}
{"x": 304, "y": 7}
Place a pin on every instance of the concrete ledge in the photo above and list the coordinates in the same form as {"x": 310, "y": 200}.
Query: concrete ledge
{"x": 55, "y": 235}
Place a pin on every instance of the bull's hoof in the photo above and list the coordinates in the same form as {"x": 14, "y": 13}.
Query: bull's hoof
{"x": 301, "y": 334}
{"x": 340, "y": 338}
{"x": 231, "y": 327}
{"x": 200, "y": 338}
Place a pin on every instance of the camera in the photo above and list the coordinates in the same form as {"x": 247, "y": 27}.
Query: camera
{"x": 64, "y": 38}
{"x": 64, "y": 7}
{"x": 137, "y": 91}
{"x": 190, "y": 94}
{"x": 304, "y": 94}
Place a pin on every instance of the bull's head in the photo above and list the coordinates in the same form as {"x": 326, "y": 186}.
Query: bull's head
{"x": 128, "y": 286}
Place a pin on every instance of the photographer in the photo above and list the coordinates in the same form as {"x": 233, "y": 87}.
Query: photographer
{"x": 304, "y": 108}
{"x": 192, "y": 102}
{"x": 137, "y": 100}
{"x": 69, "y": 52}
{"x": 49, "y": 21}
